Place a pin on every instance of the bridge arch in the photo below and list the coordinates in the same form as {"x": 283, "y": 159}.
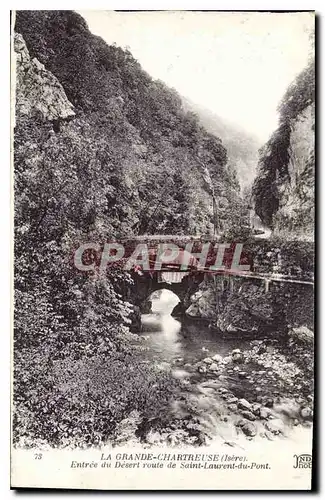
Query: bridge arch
{"x": 163, "y": 301}
{"x": 147, "y": 283}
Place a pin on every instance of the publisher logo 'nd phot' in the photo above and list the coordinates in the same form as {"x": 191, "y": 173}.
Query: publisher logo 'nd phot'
{"x": 303, "y": 461}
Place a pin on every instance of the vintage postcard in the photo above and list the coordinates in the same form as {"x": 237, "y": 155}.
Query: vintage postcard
{"x": 163, "y": 175}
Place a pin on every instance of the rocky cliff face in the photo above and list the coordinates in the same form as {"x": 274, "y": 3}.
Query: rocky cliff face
{"x": 38, "y": 92}
{"x": 284, "y": 186}
{"x": 296, "y": 190}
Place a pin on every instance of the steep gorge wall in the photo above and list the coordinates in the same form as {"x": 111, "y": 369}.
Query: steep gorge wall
{"x": 296, "y": 191}
{"x": 284, "y": 187}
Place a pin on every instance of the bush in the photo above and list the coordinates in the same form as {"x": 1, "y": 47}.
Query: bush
{"x": 80, "y": 402}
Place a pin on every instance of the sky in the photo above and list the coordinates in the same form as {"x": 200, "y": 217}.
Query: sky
{"x": 238, "y": 65}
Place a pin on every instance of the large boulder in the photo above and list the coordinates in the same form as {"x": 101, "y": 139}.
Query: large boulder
{"x": 302, "y": 334}
{"x": 243, "y": 404}
{"x": 248, "y": 428}
{"x": 193, "y": 311}
{"x": 237, "y": 356}
{"x": 203, "y": 302}
{"x": 208, "y": 361}
{"x": 179, "y": 310}
{"x": 217, "y": 358}
{"x": 306, "y": 413}
{"x": 275, "y": 426}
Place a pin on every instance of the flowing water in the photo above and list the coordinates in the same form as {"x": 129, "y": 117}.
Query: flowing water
{"x": 178, "y": 346}
{"x": 170, "y": 339}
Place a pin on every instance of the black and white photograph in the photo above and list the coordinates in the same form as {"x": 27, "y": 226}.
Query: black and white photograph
{"x": 163, "y": 173}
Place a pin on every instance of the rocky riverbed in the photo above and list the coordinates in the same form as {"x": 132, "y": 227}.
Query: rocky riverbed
{"x": 261, "y": 392}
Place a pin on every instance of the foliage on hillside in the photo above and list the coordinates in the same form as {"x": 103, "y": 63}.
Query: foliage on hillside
{"x": 275, "y": 154}
{"x": 149, "y": 152}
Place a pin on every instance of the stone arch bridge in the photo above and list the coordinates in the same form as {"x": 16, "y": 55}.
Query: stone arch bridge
{"x": 186, "y": 284}
{"x": 266, "y": 274}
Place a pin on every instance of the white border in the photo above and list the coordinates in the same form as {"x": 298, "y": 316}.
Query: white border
{"x": 170, "y": 5}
